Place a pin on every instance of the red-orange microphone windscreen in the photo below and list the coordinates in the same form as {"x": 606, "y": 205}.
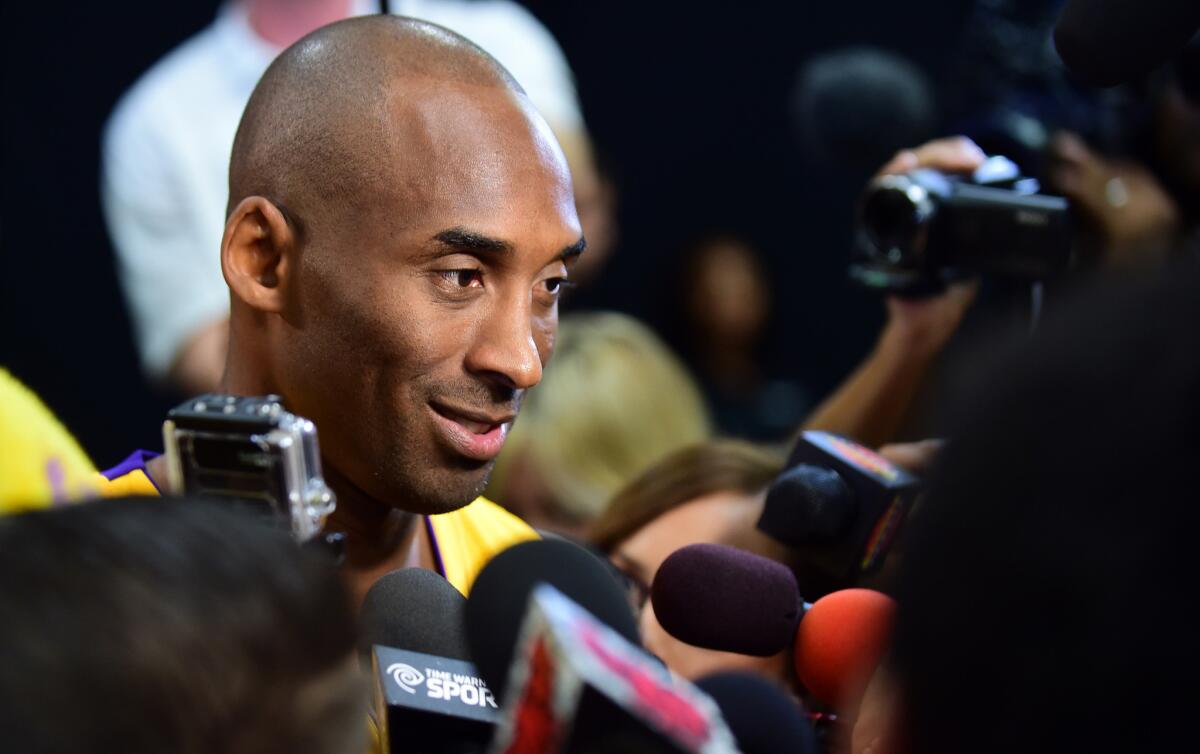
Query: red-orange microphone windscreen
{"x": 841, "y": 640}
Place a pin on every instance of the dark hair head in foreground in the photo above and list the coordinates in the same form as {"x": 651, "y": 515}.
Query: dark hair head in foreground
{"x": 148, "y": 625}
{"x": 1045, "y": 596}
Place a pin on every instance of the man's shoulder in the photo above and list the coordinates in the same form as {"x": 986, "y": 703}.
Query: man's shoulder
{"x": 129, "y": 477}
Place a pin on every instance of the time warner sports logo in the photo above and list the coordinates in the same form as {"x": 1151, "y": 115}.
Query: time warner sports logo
{"x": 439, "y": 684}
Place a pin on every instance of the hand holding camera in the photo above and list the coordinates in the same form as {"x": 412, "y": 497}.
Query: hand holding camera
{"x": 951, "y": 215}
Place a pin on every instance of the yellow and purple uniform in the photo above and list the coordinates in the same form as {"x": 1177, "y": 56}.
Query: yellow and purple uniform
{"x": 463, "y": 540}
{"x": 41, "y": 464}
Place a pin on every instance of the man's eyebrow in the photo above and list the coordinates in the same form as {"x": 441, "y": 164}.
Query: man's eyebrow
{"x": 469, "y": 241}
{"x": 573, "y": 250}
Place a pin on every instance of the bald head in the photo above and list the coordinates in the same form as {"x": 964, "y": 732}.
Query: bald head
{"x": 318, "y": 127}
{"x": 401, "y": 222}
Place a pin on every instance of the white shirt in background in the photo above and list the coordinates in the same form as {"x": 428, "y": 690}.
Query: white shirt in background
{"x": 166, "y": 148}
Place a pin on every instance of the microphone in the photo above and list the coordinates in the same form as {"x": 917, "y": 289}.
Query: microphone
{"x": 761, "y": 593}
{"x": 578, "y": 686}
{"x": 427, "y": 696}
{"x": 1109, "y": 42}
{"x": 841, "y": 640}
{"x": 418, "y": 610}
{"x": 762, "y": 718}
{"x": 855, "y": 107}
{"x": 838, "y": 641}
{"x": 501, "y": 593}
{"x": 840, "y": 506}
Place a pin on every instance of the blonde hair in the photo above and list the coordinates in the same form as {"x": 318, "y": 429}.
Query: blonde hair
{"x": 613, "y": 401}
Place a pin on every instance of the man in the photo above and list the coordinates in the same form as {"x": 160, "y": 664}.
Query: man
{"x": 401, "y": 224}
{"x": 167, "y": 145}
{"x": 141, "y": 626}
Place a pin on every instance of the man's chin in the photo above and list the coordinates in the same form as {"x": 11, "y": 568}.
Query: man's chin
{"x": 444, "y": 490}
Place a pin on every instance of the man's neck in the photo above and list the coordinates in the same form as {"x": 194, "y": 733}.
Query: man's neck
{"x": 379, "y": 537}
{"x": 374, "y": 531}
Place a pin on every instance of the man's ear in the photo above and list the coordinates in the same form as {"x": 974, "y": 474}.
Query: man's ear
{"x": 257, "y": 253}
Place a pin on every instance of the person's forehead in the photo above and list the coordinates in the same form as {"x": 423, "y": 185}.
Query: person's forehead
{"x": 705, "y": 519}
{"x": 460, "y": 143}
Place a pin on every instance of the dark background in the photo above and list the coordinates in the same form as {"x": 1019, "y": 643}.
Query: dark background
{"x": 687, "y": 104}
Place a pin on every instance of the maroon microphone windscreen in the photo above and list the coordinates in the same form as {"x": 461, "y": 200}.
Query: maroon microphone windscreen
{"x": 723, "y": 598}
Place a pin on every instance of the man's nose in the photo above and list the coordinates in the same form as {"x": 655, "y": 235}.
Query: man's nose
{"x": 505, "y": 350}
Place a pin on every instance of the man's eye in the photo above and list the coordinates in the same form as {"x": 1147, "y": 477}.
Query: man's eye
{"x": 464, "y": 278}
{"x": 556, "y": 286}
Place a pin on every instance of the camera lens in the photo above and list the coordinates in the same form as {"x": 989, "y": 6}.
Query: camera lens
{"x": 892, "y": 220}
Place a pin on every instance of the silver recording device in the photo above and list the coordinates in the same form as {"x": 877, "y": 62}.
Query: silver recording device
{"x": 252, "y": 452}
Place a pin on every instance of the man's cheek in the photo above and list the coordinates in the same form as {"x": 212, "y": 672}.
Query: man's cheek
{"x": 545, "y": 338}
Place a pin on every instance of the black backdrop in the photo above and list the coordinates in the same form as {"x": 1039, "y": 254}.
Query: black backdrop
{"x": 687, "y": 102}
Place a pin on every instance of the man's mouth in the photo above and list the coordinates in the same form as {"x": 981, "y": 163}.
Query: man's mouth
{"x": 476, "y": 434}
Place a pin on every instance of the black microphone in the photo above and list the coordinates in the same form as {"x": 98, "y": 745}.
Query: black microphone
{"x": 428, "y": 697}
{"x": 762, "y": 718}
{"x": 417, "y": 610}
{"x": 1109, "y": 42}
{"x": 496, "y": 608}
{"x": 579, "y": 687}
{"x": 840, "y": 506}
{"x": 854, "y": 108}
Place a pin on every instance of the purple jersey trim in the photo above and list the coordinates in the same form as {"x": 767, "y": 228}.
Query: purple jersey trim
{"x": 135, "y": 462}
{"x": 437, "y": 552}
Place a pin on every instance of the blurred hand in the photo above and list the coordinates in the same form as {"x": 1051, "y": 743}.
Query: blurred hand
{"x": 875, "y": 722}
{"x": 917, "y": 457}
{"x": 1121, "y": 199}
{"x": 929, "y": 322}
{"x": 955, "y": 154}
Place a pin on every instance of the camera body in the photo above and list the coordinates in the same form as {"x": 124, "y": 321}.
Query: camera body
{"x": 919, "y": 230}
{"x": 252, "y": 452}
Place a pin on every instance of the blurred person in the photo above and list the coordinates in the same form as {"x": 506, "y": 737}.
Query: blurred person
{"x": 874, "y": 402}
{"x": 1138, "y": 211}
{"x": 726, "y": 307}
{"x": 615, "y": 402}
{"x": 395, "y": 258}
{"x": 1121, "y": 154}
{"x": 1044, "y": 595}
{"x": 141, "y": 626}
{"x": 167, "y": 144}
{"x": 707, "y": 493}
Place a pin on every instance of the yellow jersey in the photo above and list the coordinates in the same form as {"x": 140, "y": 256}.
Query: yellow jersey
{"x": 463, "y": 540}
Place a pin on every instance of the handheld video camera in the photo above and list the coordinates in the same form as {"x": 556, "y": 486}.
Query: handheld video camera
{"x": 252, "y": 452}
{"x": 918, "y": 231}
